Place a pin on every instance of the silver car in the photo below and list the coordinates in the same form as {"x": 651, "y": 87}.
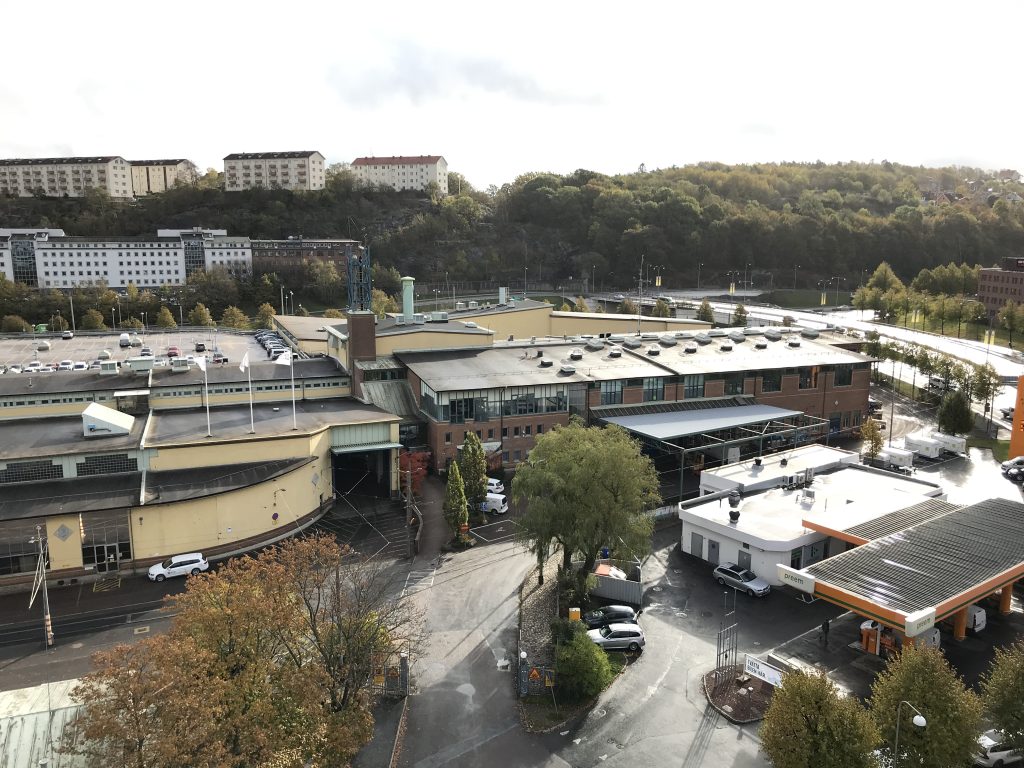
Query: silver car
{"x": 730, "y": 574}
{"x": 619, "y": 637}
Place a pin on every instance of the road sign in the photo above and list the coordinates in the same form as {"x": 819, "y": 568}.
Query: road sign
{"x": 534, "y": 674}
{"x": 549, "y": 680}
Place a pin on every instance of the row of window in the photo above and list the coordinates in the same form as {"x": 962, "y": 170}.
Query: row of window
{"x": 506, "y": 432}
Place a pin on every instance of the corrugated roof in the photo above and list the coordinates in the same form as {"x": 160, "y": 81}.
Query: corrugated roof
{"x": 902, "y": 519}
{"x": 935, "y": 561}
{"x": 71, "y": 495}
{"x": 392, "y": 396}
{"x": 667, "y": 426}
{"x": 197, "y": 482}
{"x": 398, "y": 160}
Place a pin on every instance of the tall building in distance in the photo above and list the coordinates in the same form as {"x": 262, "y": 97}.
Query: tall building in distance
{"x": 152, "y": 176}
{"x": 400, "y": 173}
{"x": 66, "y": 176}
{"x": 299, "y": 171}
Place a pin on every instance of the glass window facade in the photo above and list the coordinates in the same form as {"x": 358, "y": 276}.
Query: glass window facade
{"x": 693, "y": 386}
{"x": 106, "y": 540}
{"x": 771, "y": 381}
{"x": 17, "y": 553}
{"x": 611, "y": 392}
{"x": 734, "y": 383}
{"x": 459, "y": 407}
{"x": 843, "y": 376}
{"x": 654, "y": 389}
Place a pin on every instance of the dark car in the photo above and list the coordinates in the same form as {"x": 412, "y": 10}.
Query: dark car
{"x": 200, "y": 346}
{"x": 609, "y": 614}
{"x": 219, "y": 358}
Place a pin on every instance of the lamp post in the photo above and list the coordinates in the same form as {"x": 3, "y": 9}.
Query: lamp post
{"x": 746, "y": 271}
{"x": 918, "y": 720}
{"x": 291, "y": 301}
{"x": 699, "y": 265}
{"x": 593, "y": 276}
{"x": 112, "y": 324}
{"x": 795, "y": 268}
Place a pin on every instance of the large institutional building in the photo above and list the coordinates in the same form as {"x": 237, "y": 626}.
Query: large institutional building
{"x": 66, "y": 176}
{"x": 403, "y": 172}
{"x": 47, "y": 258}
{"x": 998, "y": 285}
{"x": 284, "y": 170}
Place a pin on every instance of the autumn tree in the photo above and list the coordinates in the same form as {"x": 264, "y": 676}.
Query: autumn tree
{"x": 455, "y": 510}
{"x": 585, "y": 488}
{"x": 473, "y": 468}
{"x": 333, "y": 314}
{"x": 627, "y": 307}
{"x": 1002, "y": 691}
{"x": 872, "y": 435}
{"x": 14, "y": 324}
{"x": 661, "y": 309}
{"x": 164, "y": 319}
{"x": 580, "y": 305}
{"x": 413, "y": 464}
{"x": 92, "y": 320}
{"x": 233, "y": 317}
{"x": 264, "y": 316}
{"x": 705, "y": 313}
{"x": 200, "y": 315}
{"x": 739, "y": 316}
{"x": 381, "y": 304}
{"x": 923, "y": 677}
{"x": 809, "y": 723}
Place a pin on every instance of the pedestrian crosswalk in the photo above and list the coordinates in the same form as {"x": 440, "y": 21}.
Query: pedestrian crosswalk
{"x": 417, "y": 581}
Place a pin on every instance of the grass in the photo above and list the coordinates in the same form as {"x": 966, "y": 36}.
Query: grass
{"x": 1000, "y": 448}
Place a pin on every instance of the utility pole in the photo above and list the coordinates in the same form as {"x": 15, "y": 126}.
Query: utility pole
{"x": 40, "y": 581}
{"x": 408, "y": 511}
{"x": 640, "y": 296}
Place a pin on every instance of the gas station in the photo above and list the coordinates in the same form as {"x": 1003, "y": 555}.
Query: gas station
{"x": 913, "y": 568}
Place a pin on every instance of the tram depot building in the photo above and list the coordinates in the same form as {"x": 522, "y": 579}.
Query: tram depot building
{"x": 125, "y": 466}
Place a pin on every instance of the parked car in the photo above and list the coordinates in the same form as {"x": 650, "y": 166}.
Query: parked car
{"x": 135, "y": 341}
{"x": 145, "y": 352}
{"x": 994, "y": 751}
{"x": 874, "y": 405}
{"x": 1015, "y": 474}
{"x": 43, "y": 346}
{"x": 174, "y": 352}
{"x": 609, "y": 614}
{"x": 80, "y": 366}
{"x": 103, "y": 355}
{"x": 1007, "y": 413}
{"x": 179, "y": 565}
{"x": 219, "y": 358}
{"x": 66, "y": 365}
{"x": 619, "y": 297}
{"x": 618, "y": 637}
{"x": 495, "y": 486}
{"x": 730, "y": 574}
{"x": 67, "y": 335}
{"x": 200, "y": 346}
{"x": 1016, "y": 461}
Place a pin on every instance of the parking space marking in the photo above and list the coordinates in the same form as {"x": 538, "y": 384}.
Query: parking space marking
{"x": 417, "y": 581}
{"x": 503, "y": 531}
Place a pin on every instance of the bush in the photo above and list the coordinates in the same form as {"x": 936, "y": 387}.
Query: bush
{"x": 568, "y": 587}
{"x": 583, "y": 668}
{"x": 564, "y": 631}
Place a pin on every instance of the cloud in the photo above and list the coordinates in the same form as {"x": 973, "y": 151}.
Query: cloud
{"x": 422, "y": 77}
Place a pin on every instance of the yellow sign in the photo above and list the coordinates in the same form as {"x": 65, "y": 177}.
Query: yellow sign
{"x": 535, "y": 674}
{"x": 378, "y": 679}
{"x": 549, "y": 681}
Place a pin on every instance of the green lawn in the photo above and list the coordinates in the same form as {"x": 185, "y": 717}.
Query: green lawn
{"x": 1000, "y": 448}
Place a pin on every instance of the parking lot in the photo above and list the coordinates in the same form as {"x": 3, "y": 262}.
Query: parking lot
{"x": 87, "y": 347}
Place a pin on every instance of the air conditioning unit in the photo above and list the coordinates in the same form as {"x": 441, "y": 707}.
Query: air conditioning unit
{"x": 575, "y": 354}
{"x": 547, "y": 362}
{"x": 809, "y": 494}
{"x": 653, "y": 350}
{"x": 615, "y": 352}
{"x": 567, "y": 369}
{"x": 725, "y": 347}
{"x": 474, "y": 304}
{"x": 794, "y": 343}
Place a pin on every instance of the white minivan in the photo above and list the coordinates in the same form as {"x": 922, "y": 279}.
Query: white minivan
{"x": 179, "y": 565}
{"x": 496, "y": 504}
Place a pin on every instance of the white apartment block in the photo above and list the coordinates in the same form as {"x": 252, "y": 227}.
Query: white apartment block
{"x": 302, "y": 171}
{"x": 65, "y": 176}
{"x": 46, "y": 258}
{"x": 152, "y": 176}
{"x": 403, "y": 172}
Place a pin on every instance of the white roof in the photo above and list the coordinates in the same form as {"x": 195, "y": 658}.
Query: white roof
{"x": 665, "y": 426}
{"x": 746, "y": 475}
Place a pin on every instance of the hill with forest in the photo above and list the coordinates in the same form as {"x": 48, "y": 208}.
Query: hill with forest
{"x": 780, "y": 223}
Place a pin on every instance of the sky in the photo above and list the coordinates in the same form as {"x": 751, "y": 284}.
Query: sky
{"x": 505, "y": 89}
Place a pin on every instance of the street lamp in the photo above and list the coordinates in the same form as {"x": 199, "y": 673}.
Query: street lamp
{"x": 795, "y": 268}
{"x": 918, "y": 720}
{"x": 699, "y": 265}
{"x": 291, "y": 301}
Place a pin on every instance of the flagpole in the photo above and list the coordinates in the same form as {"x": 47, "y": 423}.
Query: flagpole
{"x": 291, "y": 367}
{"x": 252, "y": 423}
{"x": 206, "y": 389}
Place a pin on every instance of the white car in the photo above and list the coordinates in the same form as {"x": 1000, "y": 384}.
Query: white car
{"x": 618, "y": 637}
{"x": 14, "y": 368}
{"x": 495, "y": 486}
{"x": 80, "y": 366}
{"x": 179, "y": 565}
{"x": 35, "y": 365}
{"x": 66, "y": 365}
{"x": 992, "y": 751}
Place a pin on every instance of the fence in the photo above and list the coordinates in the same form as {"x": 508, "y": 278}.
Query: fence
{"x": 390, "y": 675}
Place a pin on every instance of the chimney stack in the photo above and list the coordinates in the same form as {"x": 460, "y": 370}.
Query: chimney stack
{"x": 408, "y": 298}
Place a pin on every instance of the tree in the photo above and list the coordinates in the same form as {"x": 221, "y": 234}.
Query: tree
{"x": 264, "y": 316}
{"x": 334, "y": 313}
{"x": 200, "y": 315}
{"x": 92, "y": 320}
{"x": 565, "y": 307}
{"x": 586, "y": 488}
{"x": 955, "y": 416}
{"x": 233, "y": 317}
{"x": 627, "y": 307}
{"x": 1002, "y": 691}
{"x": 580, "y": 305}
{"x": 14, "y": 324}
{"x": 884, "y": 279}
{"x": 872, "y": 438}
{"x": 661, "y": 309}
{"x": 1010, "y": 317}
{"x": 923, "y": 677}
{"x": 381, "y": 304}
{"x": 583, "y": 668}
{"x": 58, "y": 323}
{"x": 164, "y": 319}
{"x": 739, "y": 316}
{"x": 323, "y": 278}
{"x": 455, "y": 511}
{"x": 987, "y": 383}
{"x": 810, "y": 724}
{"x": 415, "y": 463}
{"x": 705, "y": 313}
{"x": 473, "y": 469}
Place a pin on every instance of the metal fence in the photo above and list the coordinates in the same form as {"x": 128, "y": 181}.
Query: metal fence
{"x": 390, "y": 674}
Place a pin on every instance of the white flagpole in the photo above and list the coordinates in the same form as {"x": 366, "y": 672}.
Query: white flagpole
{"x": 252, "y": 423}
{"x": 291, "y": 367}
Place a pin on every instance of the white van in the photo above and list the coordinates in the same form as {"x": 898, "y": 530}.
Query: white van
{"x": 496, "y": 504}
{"x": 124, "y": 340}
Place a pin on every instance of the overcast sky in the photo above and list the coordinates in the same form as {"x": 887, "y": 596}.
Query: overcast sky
{"x": 504, "y": 89}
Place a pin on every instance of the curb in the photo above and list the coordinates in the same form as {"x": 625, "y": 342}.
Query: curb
{"x": 399, "y": 733}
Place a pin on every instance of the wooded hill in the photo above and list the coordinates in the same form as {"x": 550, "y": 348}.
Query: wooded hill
{"x": 792, "y": 223}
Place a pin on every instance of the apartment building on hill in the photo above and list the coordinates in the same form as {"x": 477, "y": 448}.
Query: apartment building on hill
{"x": 152, "y": 176}
{"x": 66, "y": 176}
{"x": 299, "y": 171}
{"x": 415, "y": 173}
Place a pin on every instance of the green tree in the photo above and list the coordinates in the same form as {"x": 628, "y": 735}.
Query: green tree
{"x": 1010, "y": 318}
{"x": 233, "y": 317}
{"x": 955, "y": 416}
{"x": 455, "y": 511}
{"x": 381, "y": 304}
{"x": 333, "y": 313}
{"x": 58, "y": 323}
{"x": 264, "y": 316}
{"x": 14, "y": 324}
{"x": 323, "y": 278}
{"x": 627, "y": 307}
{"x": 705, "y": 313}
{"x": 872, "y": 438}
{"x": 164, "y": 319}
{"x": 884, "y": 279}
{"x": 200, "y": 315}
{"x": 810, "y": 724}
{"x": 585, "y": 488}
{"x": 473, "y": 469}
{"x": 1002, "y": 691}
{"x": 987, "y": 384}
{"x": 739, "y": 316}
{"x": 582, "y": 667}
{"x": 92, "y": 320}
{"x": 661, "y": 309}
{"x": 923, "y": 677}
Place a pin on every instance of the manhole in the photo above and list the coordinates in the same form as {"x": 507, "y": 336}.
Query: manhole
{"x": 706, "y": 614}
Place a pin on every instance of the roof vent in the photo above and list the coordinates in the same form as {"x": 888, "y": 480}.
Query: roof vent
{"x": 470, "y": 324}
{"x": 615, "y": 352}
{"x": 717, "y": 332}
{"x": 575, "y": 354}
{"x": 567, "y": 369}
{"x": 683, "y": 334}
{"x": 725, "y": 347}
{"x": 773, "y": 335}
{"x": 617, "y": 338}
{"x": 809, "y": 333}
{"x": 594, "y": 345}
{"x": 760, "y": 345}
{"x": 654, "y": 349}
{"x": 690, "y": 349}
{"x": 702, "y": 339}
{"x": 649, "y": 336}
{"x": 631, "y": 343}
{"x": 667, "y": 341}
{"x": 546, "y": 362}
{"x": 737, "y": 337}
{"x": 753, "y": 331}
{"x": 794, "y": 343}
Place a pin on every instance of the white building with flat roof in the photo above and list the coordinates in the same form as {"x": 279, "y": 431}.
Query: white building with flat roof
{"x": 150, "y": 177}
{"x": 299, "y": 171}
{"x": 778, "y": 504}
{"x": 403, "y": 172}
{"x": 65, "y": 176}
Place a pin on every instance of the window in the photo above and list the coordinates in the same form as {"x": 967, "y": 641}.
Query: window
{"x": 843, "y": 376}
{"x": 504, "y": 431}
{"x": 517, "y": 455}
{"x": 540, "y": 429}
{"x": 611, "y": 392}
{"x": 734, "y": 383}
{"x": 808, "y": 377}
{"x": 515, "y": 431}
{"x": 527, "y": 430}
{"x": 490, "y": 434}
{"x": 771, "y": 381}
{"x": 693, "y": 386}
{"x": 654, "y": 389}
{"x": 447, "y": 438}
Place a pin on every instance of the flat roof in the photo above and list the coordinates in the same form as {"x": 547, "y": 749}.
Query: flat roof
{"x": 391, "y": 326}
{"x": 666, "y": 426}
{"x": 774, "y": 519}
{"x": 307, "y": 328}
{"x": 26, "y": 439}
{"x": 775, "y": 466}
{"x": 944, "y": 563}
